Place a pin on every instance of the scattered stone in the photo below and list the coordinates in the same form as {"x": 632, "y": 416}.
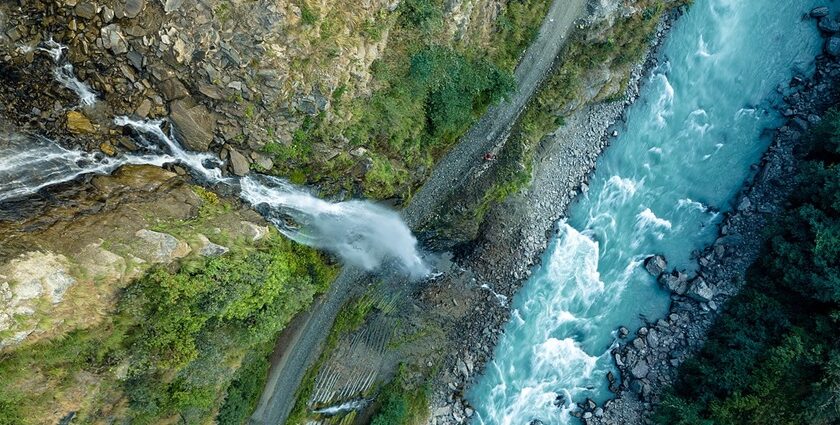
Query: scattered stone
{"x": 170, "y": 6}
{"x": 828, "y": 25}
{"x": 209, "y": 249}
{"x": 85, "y": 10}
{"x": 819, "y": 12}
{"x": 173, "y": 89}
{"x": 144, "y": 109}
{"x": 832, "y": 46}
{"x": 656, "y": 265}
{"x": 78, "y": 123}
{"x": 675, "y": 282}
{"x": 700, "y": 290}
{"x": 255, "y": 231}
{"x": 107, "y": 148}
{"x": 623, "y": 332}
{"x": 113, "y": 39}
{"x": 134, "y": 7}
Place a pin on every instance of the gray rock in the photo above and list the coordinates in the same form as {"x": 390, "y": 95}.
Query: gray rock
{"x": 173, "y": 89}
{"x": 819, "y": 12}
{"x": 161, "y": 247}
{"x": 623, "y": 332}
{"x": 656, "y": 265}
{"x": 640, "y": 370}
{"x": 209, "y": 249}
{"x": 238, "y": 162}
{"x": 828, "y": 25}
{"x": 194, "y": 124}
{"x": 113, "y": 39}
{"x": 832, "y": 46}
{"x": 676, "y": 282}
{"x": 85, "y": 10}
{"x": 134, "y": 7}
{"x": 171, "y": 5}
{"x": 745, "y": 204}
{"x": 700, "y": 290}
{"x": 107, "y": 14}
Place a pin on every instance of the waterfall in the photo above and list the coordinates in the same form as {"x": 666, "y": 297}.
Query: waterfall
{"x": 361, "y": 233}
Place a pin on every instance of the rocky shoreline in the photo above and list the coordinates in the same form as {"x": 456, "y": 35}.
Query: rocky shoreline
{"x": 648, "y": 362}
{"x": 516, "y": 234}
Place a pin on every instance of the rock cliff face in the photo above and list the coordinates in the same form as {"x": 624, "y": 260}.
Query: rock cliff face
{"x": 241, "y": 73}
{"x": 63, "y": 269}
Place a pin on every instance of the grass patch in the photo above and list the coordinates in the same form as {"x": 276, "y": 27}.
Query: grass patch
{"x": 404, "y": 401}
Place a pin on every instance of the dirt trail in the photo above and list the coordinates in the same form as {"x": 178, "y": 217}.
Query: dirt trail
{"x": 301, "y": 344}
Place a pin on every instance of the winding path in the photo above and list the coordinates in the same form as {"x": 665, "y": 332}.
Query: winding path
{"x": 301, "y": 343}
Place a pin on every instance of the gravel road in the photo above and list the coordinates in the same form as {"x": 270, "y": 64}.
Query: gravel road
{"x": 301, "y": 343}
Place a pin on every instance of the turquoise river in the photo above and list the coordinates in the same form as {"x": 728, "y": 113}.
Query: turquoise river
{"x": 682, "y": 156}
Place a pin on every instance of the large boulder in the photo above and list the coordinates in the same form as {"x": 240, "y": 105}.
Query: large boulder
{"x": 700, "y": 290}
{"x": 828, "y": 25}
{"x": 640, "y": 370}
{"x": 134, "y": 7}
{"x": 675, "y": 282}
{"x": 238, "y": 163}
{"x": 819, "y": 12}
{"x": 656, "y": 265}
{"x": 78, "y": 123}
{"x": 194, "y": 124}
{"x": 160, "y": 247}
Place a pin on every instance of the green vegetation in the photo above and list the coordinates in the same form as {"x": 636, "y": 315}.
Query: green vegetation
{"x": 404, "y": 401}
{"x": 614, "y": 49}
{"x": 245, "y": 390}
{"x": 773, "y": 356}
{"x": 174, "y": 347}
{"x": 516, "y": 28}
{"x": 429, "y": 90}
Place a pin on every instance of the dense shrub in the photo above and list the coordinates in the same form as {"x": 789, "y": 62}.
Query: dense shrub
{"x": 773, "y": 355}
{"x": 402, "y": 402}
{"x": 179, "y": 338}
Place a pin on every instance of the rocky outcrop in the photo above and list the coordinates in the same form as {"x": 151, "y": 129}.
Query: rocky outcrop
{"x": 158, "y": 247}
{"x": 97, "y": 238}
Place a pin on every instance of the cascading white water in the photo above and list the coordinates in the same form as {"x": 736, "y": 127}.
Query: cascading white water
{"x": 360, "y": 233}
{"x": 63, "y": 73}
{"x": 31, "y": 163}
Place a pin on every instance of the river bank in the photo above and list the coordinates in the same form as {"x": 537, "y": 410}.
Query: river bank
{"x": 516, "y": 233}
{"x": 649, "y": 359}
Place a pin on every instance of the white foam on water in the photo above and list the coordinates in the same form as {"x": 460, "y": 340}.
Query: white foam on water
{"x": 688, "y": 203}
{"x": 32, "y": 163}
{"x": 345, "y": 407}
{"x": 664, "y": 105}
{"x": 360, "y": 232}
{"x": 648, "y": 220}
